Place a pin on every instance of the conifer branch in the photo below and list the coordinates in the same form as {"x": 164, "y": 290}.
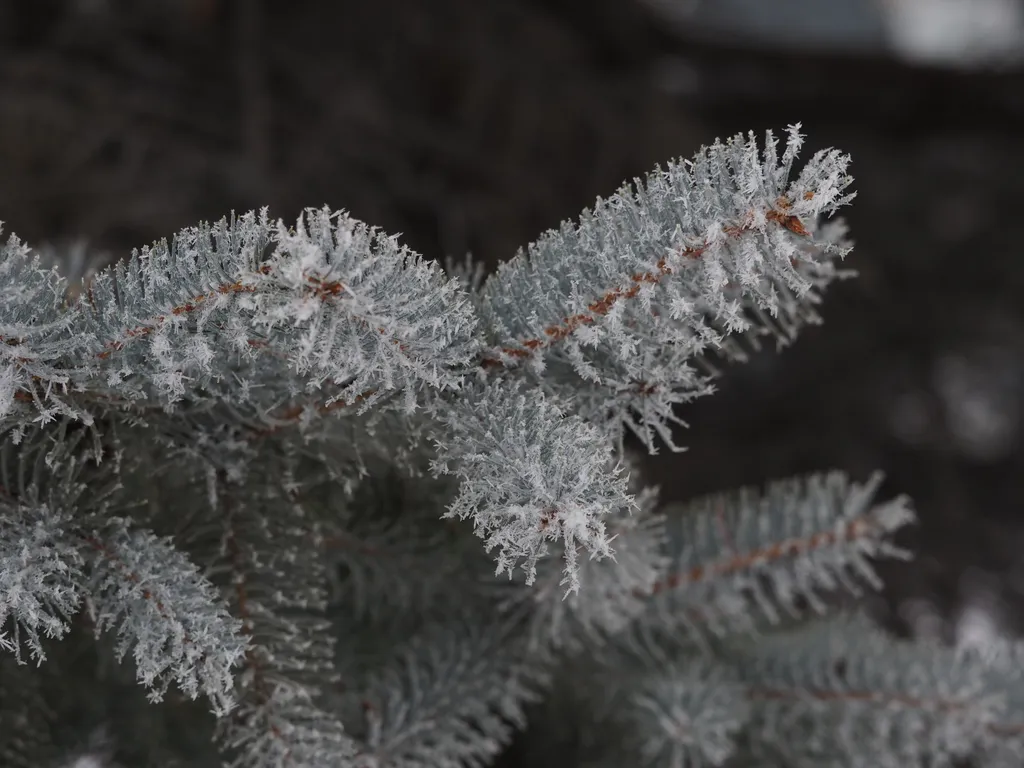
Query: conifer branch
{"x": 773, "y": 549}
{"x": 693, "y": 254}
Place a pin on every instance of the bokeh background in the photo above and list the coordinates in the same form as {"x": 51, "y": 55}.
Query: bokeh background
{"x": 472, "y": 126}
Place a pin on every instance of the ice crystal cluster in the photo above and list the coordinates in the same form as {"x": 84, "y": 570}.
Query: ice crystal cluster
{"x": 323, "y": 502}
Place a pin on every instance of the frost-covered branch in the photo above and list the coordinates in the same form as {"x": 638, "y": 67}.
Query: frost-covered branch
{"x": 195, "y": 318}
{"x": 531, "y": 473}
{"x": 165, "y": 612}
{"x": 620, "y": 303}
{"x": 768, "y": 551}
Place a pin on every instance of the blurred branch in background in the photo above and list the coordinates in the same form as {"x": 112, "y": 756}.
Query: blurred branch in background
{"x": 951, "y": 33}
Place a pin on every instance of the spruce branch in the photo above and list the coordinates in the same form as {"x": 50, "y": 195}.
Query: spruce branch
{"x": 834, "y": 690}
{"x": 165, "y": 611}
{"x": 35, "y": 334}
{"x": 768, "y": 551}
{"x": 687, "y": 714}
{"x": 43, "y": 497}
{"x": 279, "y": 596}
{"x": 620, "y": 303}
{"x": 450, "y": 699}
{"x": 925, "y": 705}
{"x": 530, "y": 474}
{"x": 40, "y": 577}
{"x": 345, "y": 302}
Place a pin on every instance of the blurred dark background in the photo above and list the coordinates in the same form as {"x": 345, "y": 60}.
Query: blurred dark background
{"x": 472, "y": 126}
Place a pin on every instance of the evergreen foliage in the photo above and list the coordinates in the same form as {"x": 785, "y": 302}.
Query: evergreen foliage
{"x": 256, "y": 462}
